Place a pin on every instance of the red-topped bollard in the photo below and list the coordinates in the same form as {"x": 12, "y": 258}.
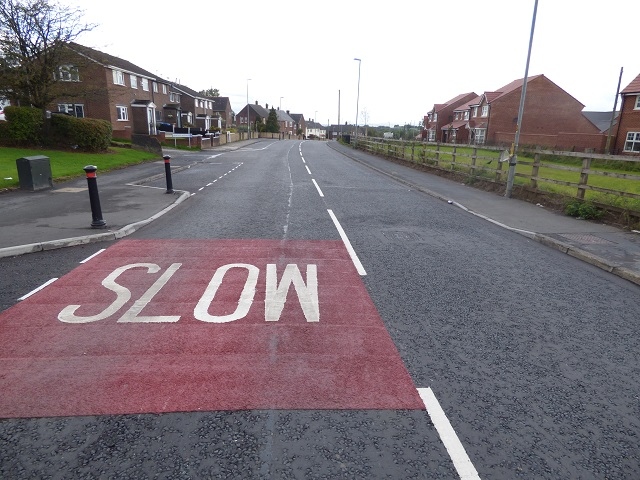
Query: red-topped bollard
{"x": 94, "y": 198}
{"x": 167, "y": 171}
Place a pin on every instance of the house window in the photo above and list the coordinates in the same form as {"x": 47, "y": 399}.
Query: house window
{"x": 155, "y": 87}
{"x": 435, "y": 117}
{"x": 164, "y": 89}
{"x": 68, "y": 73}
{"x": 134, "y": 81}
{"x": 145, "y": 84}
{"x": 75, "y": 109}
{"x": 480, "y": 134}
{"x": 432, "y": 135}
{"x": 633, "y": 142}
{"x": 174, "y": 97}
{"x": 475, "y": 111}
{"x": 118, "y": 77}
{"x": 123, "y": 113}
{"x": 466, "y": 115}
{"x": 485, "y": 110}
{"x": 637, "y": 107}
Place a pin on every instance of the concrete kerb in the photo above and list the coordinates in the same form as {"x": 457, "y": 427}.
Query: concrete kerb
{"x": 86, "y": 239}
{"x": 565, "y": 248}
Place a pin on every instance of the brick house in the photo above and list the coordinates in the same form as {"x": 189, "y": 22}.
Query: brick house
{"x": 442, "y": 115}
{"x": 98, "y": 85}
{"x": 287, "y": 125}
{"x": 196, "y": 108}
{"x": 300, "y": 124}
{"x": 628, "y": 132}
{"x": 552, "y": 118}
{"x": 254, "y": 114}
{"x": 222, "y": 109}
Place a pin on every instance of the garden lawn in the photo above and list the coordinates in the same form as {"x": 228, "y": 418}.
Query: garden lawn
{"x": 66, "y": 165}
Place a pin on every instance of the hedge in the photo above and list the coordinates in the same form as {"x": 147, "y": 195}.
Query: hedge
{"x": 25, "y": 126}
{"x": 87, "y": 134}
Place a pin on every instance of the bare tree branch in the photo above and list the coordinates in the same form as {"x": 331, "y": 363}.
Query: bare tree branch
{"x": 33, "y": 39}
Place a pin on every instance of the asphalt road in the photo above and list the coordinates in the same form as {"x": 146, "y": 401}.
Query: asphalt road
{"x": 531, "y": 354}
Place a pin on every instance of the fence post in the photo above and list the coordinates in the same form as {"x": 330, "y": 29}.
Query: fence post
{"x": 499, "y": 172}
{"x": 535, "y": 169}
{"x": 453, "y": 158}
{"x": 474, "y": 157}
{"x": 413, "y": 146}
{"x": 437, "y": 154}
{"x": 584, "y": 177}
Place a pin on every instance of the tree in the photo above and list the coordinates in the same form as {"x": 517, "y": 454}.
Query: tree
{"x": 273, "y": 126}
{"x": 210, "y": 92}
{"x": 34, "y": 35}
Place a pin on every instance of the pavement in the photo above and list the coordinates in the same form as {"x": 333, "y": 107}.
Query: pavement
{"x": 131, "y": 198}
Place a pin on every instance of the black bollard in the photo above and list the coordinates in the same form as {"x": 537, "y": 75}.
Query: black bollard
{"x": 94, "y": 198}
{"x": 167, "y": 171}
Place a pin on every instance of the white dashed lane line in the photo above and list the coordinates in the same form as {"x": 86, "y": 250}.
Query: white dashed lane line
{"x": 219, "y": 178}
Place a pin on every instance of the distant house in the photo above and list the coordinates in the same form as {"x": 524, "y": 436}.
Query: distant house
{"x": 438, "y": 122}
{"x": 314, "y": 130}
{"x": 628, "y": 132}
{"x": 300, "y": 124}
{"x": 196, "y": 108}
{"x": 287, "y": 125}
{"x": 252, "y": 115}
{"x": 552, "y": 117}
{"x": 336, "y": 131}
{"x": 222, "y": 109}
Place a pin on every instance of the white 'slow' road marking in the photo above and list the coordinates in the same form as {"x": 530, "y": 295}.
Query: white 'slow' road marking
{"x": 458, "y": 454}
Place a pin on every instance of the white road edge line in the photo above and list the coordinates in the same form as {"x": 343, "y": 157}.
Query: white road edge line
{"x": 456, "y": 450}
{"x": 94, "y": 255}
{"x": 347, "y": 243}
{"x": 308, "y": 169}
{"x": 37, "y": 289}
{"x": 318, "y": 187}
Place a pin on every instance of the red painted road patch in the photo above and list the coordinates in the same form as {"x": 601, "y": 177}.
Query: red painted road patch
{"x": 167, "y": 326}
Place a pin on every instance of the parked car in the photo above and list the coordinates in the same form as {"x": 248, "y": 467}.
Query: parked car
{"x": 2, "y": 117}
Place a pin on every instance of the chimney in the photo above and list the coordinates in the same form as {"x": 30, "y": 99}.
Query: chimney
{"x": 266, "y": 105}
{"x": 287, "y": 112}
{"x": 256, "y": 102}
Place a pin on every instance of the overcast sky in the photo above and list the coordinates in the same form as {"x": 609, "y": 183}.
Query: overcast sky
{"x": 414, "y": 53}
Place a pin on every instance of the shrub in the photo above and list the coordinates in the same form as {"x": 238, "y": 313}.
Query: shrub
{"x": 87, "y": 134}
{"x": 23, "y": 125}
{"x": 586, "y": 210}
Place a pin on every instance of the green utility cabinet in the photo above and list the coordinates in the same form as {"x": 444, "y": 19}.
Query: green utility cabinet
{"x": 34, "y": 173}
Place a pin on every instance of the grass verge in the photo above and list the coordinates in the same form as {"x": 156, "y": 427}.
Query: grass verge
{"x": 68, "y": 164}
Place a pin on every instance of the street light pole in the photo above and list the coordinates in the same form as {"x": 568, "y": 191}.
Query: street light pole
{"x": 357, "y": 101}
{"x": 513, "y": 159}
{"x": 248, "y": 116}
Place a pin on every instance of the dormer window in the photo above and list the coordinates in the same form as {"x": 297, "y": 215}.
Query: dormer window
{"x": 466, "y": 115}
{"x": 475, "y": 111}
{"x": 485, "y": 110}
{"x": 68, "y": 73}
